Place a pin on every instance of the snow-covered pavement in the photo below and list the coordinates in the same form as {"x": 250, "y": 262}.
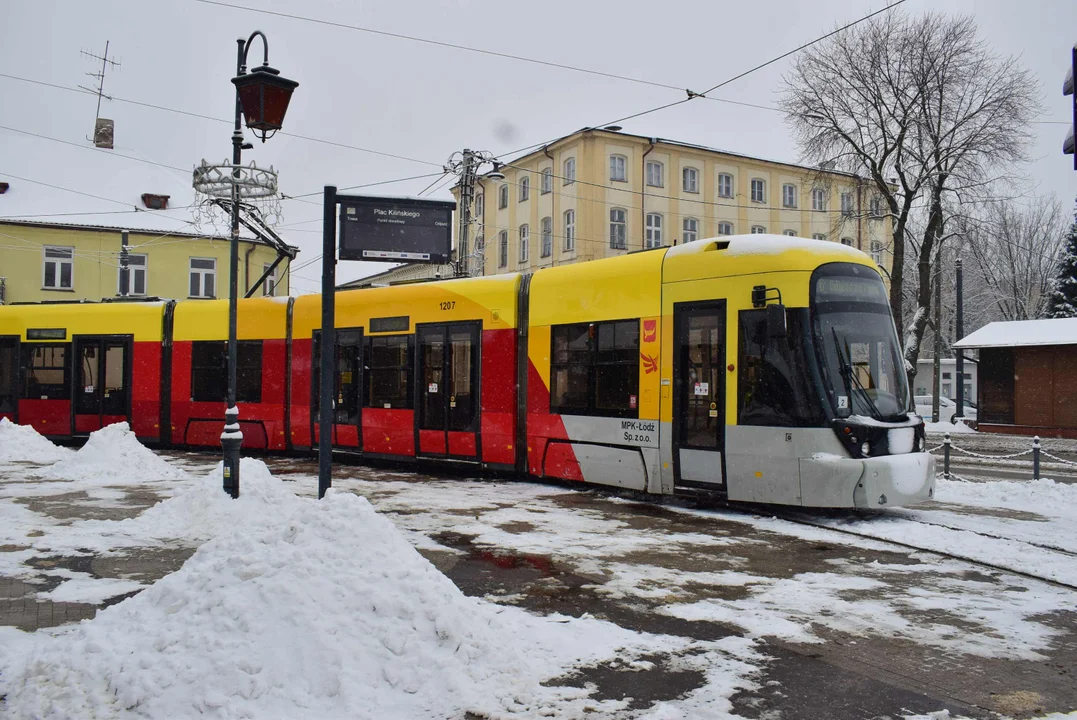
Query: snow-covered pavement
{"x": 523, "y": 600}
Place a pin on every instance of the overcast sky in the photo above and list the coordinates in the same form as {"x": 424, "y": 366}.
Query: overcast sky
{"x": 420, "y": 101}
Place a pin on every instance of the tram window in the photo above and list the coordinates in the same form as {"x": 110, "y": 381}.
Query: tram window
{"x": 773, "y": 382}
{"x": 389, "y": 372}
{"x": 594, "y": 368}
{"x": 46, "y": 372}
{"x": 209, "y": 371}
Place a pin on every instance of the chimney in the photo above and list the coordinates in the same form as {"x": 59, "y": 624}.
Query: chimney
{"x": 155, "y": 202}
{"x": 3, "y": 187}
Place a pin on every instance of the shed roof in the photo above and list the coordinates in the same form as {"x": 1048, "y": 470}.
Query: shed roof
{"x": 1022, "y": 333}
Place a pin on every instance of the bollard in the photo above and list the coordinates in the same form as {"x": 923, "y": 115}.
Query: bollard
{"x": 946, "y": 456}
{"x": 1036, "y": 458}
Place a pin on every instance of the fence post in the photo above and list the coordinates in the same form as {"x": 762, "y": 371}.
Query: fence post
{"x": 1036, "y": 457}
{"x": 946, "y": 456}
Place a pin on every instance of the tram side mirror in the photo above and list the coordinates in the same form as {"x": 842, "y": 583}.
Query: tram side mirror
{"x": 776, "y": 321}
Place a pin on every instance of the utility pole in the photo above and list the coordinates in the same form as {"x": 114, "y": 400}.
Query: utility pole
{"x": 959, "y": 364}
{"x": 125, "y": 269}
{"x": 938, "y": 338}
{"x": 467, "y": 194}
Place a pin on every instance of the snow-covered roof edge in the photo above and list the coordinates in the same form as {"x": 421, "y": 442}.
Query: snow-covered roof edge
{"x": 1022, "y": 333}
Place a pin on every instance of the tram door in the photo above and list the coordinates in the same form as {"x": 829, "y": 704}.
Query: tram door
{"x": 448, "y": 403}
{"x": 9, "y": 377}
{"x": 102, "y": 392}
{"x": 699, "y": 394}
{"x": 347, "y": 391}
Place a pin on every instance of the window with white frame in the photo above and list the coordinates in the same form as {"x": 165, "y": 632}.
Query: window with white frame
{"x": 690, "y": 230}
{"x": 618, "y": 168}
{"x": 877, "y": 252}
{"x": 59, "y": 268}
{"x": 725, "y": 185}
{"x": 546, "y": 225}
{"x": 725, "y": 228}
{"x": 876, "y": 206}
{"x": 818, "y": 199}
{"x": 818, "y": 236}
{"x": 480, "y": 206}
{"x": 759, "y": 190}
{"x": 525, "y": 236}
{"x": 203, "y": 277}
{"x": 570, "y": 230}
{"x": 503, "y": 248}
{"x": 847, "y": 241}
{"x": 690, "y": 179}
{"x": 618, "y": 229}
{"x": 653, "y": 237}
{"x": 758, "y": 230}
{"x": 654, "y": 173}
{"x": 503, "y": 197}
{"x": 846, "y": 204}
{"x": 269, "y": 286}
{"x": 789, "y": 195}
{"x": 568, "y": 170}
{"x": 547, "y": 181}
{"x": 525, "y": 188}
{"x": 790, "y": 233}
{"x": 136, "y": 269}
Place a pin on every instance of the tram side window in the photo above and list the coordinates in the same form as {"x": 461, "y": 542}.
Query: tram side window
{"x": 209, "y": 371}
{"x": 389, "y": 372}
{"x": 46, "y": 372}
{"x": 773, "y": 381}
{"x": 594, "y": 369}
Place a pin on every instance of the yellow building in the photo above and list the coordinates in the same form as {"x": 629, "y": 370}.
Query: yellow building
{"x": 601, "y": 192}
{"x": 53, "y": 261}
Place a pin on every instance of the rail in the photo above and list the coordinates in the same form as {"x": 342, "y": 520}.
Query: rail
{"x": 1036, "y": 451}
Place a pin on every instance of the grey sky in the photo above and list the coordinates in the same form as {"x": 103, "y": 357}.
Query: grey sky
{"x": 420, "y": 101}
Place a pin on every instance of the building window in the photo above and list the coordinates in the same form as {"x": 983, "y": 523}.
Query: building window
{"x": 46, "y": 371}
{"x": 570, "y": 230}
{"x": 480, "y": 206}
{"x": 525, "y": 188}
{"x": 136, "y": 268}
{"x": 594, "y": 369}
{"x": 525, "y": 235}
{"x": 847, "y": 241}
{"x": 569, "y": 171}
{"x": 209, "y": 371}
{"x": 818, "y": 236}
{"x": 503, "y": 197}
{"x": 269, "y": 285}
{"x": 654, "y": 174}
{"x": 846, "y": 204}
{"x": 503, "y": 248}
{"x": 759, "y": 190}
{"x": 876, "y": 206}
{"x": 789, "y": 195}
{"x": 617, "y": 229}
{"x": 725, "y": 185}
{"x": 547, "y": 181}
{"x": 59, "y": 268}
{"x": 877, "y": 252}
{"x": 654, "y": 231}
{"x": 758, "y": 230}
{"x": 818, "y": 199}
{"x": 790, "y": 233}
{"x": 618, "y": 168}
{"x": 203, "y": 277}
{"x": 547, "y": 236}
{"x": 691, "y": 230}
{"x": 946, "y": 376}
{"x": 690, "y": 177}
{"x": 388, "y": 372}
{"x": 725, "y": 228}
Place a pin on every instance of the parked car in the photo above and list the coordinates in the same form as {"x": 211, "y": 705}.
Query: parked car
{"x": 947, "y": 409}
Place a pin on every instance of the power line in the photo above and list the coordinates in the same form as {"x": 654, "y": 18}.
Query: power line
{"x": 91, "y": 148}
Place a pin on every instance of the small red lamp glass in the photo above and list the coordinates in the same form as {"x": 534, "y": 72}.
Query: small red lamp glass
{"x": 264, "y": 96}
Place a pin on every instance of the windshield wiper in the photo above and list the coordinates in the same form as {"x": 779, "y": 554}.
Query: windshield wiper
{"x": 852, "y": 381}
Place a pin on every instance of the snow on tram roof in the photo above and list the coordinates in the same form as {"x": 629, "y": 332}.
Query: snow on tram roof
{"x": 1022, "y": 333}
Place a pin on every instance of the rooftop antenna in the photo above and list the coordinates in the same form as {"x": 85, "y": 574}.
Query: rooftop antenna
{"x": 103, "y": 127}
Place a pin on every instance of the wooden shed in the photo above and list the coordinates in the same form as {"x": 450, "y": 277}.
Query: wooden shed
{"x": 1027, "y": 377}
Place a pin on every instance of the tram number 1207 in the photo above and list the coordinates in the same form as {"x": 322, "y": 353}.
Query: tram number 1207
{"x": 447, "y": 304}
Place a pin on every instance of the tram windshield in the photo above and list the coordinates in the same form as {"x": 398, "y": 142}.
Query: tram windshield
{"x": 857, "y": 344}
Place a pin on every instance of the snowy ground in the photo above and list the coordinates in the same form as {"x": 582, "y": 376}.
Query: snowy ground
{"x": 293, "y": 607}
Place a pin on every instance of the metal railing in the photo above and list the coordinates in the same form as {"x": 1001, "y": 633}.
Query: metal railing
{"x": 1036, "y": 451}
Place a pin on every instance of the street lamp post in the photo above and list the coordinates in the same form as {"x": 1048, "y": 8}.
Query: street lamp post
{"x": 262, "y": 96}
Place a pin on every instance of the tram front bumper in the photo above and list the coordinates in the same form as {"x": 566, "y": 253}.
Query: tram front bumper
{"x": 871, "y": 483}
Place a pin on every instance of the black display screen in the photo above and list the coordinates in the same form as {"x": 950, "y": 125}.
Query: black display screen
{"x": 395, "y": 229}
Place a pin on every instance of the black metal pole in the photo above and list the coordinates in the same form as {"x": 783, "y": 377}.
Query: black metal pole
{"x": 959, "y": 363}
{"x": 232, "y": 437}
{"x": 327, "y": 377}
{"x": 125, "y": 266}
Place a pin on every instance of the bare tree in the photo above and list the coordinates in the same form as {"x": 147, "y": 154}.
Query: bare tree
{"x": 927, "y": 113}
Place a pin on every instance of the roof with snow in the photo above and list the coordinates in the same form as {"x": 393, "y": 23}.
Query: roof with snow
{"x": 1023, "y": 333}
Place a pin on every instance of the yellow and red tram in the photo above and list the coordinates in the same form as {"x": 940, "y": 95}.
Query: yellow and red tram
{"x": 763, "y": 368}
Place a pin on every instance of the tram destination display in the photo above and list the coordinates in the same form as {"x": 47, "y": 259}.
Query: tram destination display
{"x": 395, "y": 229}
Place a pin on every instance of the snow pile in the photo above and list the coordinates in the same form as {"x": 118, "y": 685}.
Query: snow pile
{"x": 947, "y": 427}
{"x": 304, "y": 609}
{"x": 1043, "y": 496}
{"x": 21, "y": 443}
{"x": 113, "y": 454}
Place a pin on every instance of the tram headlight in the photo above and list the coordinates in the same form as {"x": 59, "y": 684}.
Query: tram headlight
{"x": 865, "y": 449}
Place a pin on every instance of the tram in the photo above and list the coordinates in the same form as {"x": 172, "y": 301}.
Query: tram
{"x": 762, "y": 369}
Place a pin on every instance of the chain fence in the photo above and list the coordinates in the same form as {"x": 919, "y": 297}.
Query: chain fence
{"x": 1036, "y": 451}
